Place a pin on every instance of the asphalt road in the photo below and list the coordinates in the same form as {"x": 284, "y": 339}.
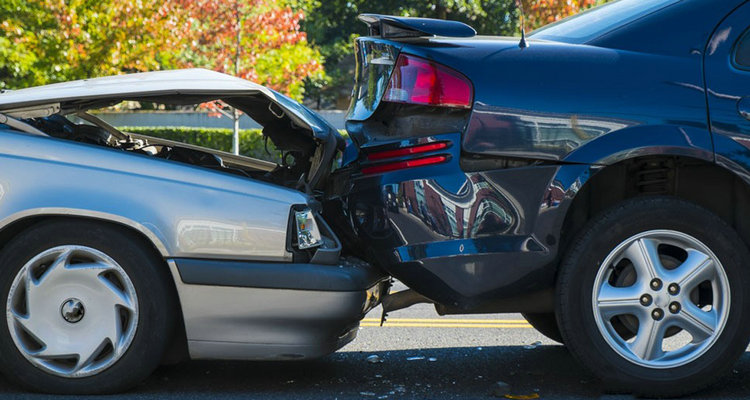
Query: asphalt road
{"x": 423, "y": 356}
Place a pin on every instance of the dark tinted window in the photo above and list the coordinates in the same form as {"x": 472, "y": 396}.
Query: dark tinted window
{"x": 742, "y": 53}
{"x": 597, "y": 21}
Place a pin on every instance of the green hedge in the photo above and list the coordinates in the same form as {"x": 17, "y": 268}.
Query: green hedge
{"x": 251, "y": 140}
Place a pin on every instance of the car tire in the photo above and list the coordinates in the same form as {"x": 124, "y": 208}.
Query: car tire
{"x": 642, "y": 247}
{"x": 546, "y": 324}
{"x": 116, "y": 303}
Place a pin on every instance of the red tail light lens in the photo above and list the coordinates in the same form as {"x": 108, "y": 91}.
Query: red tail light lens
{"x": 418, "y": 81}
{"x": 407, "y": 151}
{"x": 394, "y": 166}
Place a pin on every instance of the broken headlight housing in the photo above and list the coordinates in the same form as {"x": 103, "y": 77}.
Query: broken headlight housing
{"x": 308, "y": 234}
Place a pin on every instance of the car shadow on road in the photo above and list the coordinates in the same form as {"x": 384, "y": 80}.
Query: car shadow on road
{"x": 451, "y": 373}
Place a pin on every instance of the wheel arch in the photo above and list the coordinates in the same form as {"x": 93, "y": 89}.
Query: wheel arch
{"x": 21, "y": 220}
{"x": 695, "y": 179}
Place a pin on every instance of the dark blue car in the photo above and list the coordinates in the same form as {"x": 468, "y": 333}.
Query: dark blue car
{"x": 595, "y": 177}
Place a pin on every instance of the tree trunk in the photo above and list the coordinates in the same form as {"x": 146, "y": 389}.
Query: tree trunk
{"x": 441, "y": 11}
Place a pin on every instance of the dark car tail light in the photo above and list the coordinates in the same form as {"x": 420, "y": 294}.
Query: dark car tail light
{"x": 418, "y": 81}
{"x": 398, "y": 165}
{"x": 407, "y": 151}
{"x": 418, "y": 149}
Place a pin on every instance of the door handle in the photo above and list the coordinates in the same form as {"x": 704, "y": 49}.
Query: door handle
{"x": 743, "y": 107}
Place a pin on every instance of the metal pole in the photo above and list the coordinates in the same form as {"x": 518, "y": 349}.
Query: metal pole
{"x": 236, "y": 114}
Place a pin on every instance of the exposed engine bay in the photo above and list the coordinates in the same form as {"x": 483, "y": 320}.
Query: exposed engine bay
{"x": 305, "y": 159}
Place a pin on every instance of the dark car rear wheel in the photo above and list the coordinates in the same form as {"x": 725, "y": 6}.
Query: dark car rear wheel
{"x": 89, "y": 309}
{"x": 546, "y": 324}
{"x": 652, "y": 297}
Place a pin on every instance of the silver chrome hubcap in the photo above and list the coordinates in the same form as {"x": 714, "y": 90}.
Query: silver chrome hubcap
{"x": 72, "y": 311}
{"x": 661, "y": 299}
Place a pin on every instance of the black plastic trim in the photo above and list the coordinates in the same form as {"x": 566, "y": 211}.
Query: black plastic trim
{"x": 324, "y": 254}
{"x": 349, "y": 275}
{"x": 410, "y": 26}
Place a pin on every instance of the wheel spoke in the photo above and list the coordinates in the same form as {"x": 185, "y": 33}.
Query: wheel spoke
{"x": 648, "y": 340}
{"x": 644, "y": 255}
{"x": 613, "y": 301}
{"x": 698, "y": 323}
{"x": 54, "y": 270}
{"x": 31, "y": 327}
{"x": 87, "y": 353}
{"x": 697, "y": 268}
{"x": 115, "y": 295}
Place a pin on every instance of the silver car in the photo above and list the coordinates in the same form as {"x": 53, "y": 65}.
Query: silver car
{"x": 121, "y": 251}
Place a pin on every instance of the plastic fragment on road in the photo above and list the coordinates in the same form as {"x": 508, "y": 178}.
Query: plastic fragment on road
{"x": 374, "y": 359}
{"x": 533, "y": 345}
{"x": 432, "y": 359}
{"x": 415, "y": 358}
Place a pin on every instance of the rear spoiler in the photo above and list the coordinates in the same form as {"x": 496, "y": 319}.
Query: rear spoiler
{"x": 391, "y": 27}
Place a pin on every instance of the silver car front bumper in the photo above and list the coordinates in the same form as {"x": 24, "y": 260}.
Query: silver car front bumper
{"x": 280, "y": 311}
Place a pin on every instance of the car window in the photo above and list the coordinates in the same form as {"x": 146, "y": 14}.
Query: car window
{"x": 742, "y": 51}
{"x": 597, "y": 21}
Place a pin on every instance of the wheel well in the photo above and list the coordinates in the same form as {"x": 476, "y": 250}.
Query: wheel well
{"x": 697, "y": 181}
{"x": 175, "y": 352}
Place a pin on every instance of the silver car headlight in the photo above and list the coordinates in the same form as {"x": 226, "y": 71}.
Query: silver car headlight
{"x": 308, "y": 234}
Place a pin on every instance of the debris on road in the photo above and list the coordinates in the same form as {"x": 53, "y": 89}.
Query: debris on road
{"x": 374, "y": 359}
{"x": 500, "y": 389}
{"x": 533, "y": 345}
{"x": 415, "y": 358}
{"x": 522, "y": 396}
{"x": 432, "y": 359}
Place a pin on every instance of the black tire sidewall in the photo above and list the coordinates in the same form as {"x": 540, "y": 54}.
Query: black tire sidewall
{"x": 155, "y": 318}
{"x": 546, "y": 324}
{"x": 582, "y": 264}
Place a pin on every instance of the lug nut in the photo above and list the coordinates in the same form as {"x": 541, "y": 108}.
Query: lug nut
{"x": 673, "y": 288}
{"x": 657, "y": 314}
{"x": 674, "y": 307}
{"x": 646, "y": 300}
{"x": 656, "y": 284}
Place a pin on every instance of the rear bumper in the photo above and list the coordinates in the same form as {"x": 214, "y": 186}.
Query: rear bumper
{"x": 471, "y": 240}
{"x": 265, "y": 311}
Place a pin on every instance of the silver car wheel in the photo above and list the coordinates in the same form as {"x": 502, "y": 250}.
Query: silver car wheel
{"x": 72, "y": 311}
{"x": 661, "y": 299}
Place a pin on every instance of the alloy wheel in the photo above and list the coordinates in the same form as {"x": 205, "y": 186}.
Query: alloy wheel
{"x": 661, "y": 299}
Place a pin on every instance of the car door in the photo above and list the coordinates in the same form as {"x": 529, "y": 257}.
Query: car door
{"x": 727, "y": 74}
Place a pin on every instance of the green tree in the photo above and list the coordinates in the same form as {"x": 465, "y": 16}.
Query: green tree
{"x": 44, "y": 41}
